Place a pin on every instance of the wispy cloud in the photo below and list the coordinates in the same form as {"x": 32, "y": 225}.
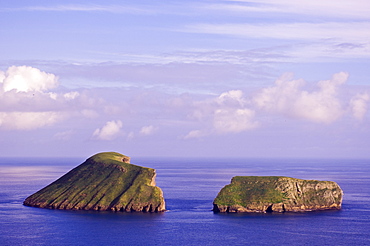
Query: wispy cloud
{"x": 351, "y": 31}
{"x": 148, "y": 130}
{"x": 356, "y": 9}
{"x": 127, "y": 9}
{"x": 64, "y": 135}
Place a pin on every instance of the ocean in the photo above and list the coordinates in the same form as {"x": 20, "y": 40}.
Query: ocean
{"x": 189, "y": 187}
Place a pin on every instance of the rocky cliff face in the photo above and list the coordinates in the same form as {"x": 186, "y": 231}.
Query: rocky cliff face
{"x": 277, "y": 194}
{"x": 105, "y": 182}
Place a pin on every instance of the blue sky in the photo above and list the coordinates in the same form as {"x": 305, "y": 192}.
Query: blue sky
{"x": 185, "y": 78}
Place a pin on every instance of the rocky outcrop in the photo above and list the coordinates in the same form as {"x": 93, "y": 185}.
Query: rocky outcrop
{"x": 105, "y": 182}
{"x": 277, "y": 194}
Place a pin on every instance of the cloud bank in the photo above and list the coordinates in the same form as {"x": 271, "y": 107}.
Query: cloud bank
{"x": 322, "y": 103}
{"x": 289, "y": 98}
{"x": 27, "y": 102}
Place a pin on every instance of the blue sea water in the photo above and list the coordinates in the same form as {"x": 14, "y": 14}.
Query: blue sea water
{"x": 189, "y": 187}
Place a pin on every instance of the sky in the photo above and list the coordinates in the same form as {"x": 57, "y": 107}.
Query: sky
{"x": 205, "y": 78}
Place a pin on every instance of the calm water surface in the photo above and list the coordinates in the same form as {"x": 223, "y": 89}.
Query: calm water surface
{"x": 189, "y": 187}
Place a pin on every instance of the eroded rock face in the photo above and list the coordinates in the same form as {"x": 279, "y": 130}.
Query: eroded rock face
{"x": 277, "y": 194}
{"x": 105, "y": 182}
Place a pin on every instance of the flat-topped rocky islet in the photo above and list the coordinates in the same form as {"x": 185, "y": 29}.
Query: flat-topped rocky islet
{"x": 277, "y": 194}
{"x": 105, "y": 182}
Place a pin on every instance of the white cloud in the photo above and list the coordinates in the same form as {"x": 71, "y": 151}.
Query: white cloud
{"x": 109, "y": 131}
{"x": 147, "y": 130}
{"x": 324, "y": 103}
{"x": 234, "y": 120}
{"x": 2, "y": 76}
{"x": 227, "y": 113}
{"x": 288, "y": 97}
{"x": 28, "y": 79}
{"x": 28, "y": 120}
{"x": 231, "y": 97}
{"x": 53, "y": 96}
{"x": 276, "y": 98}
{"x": 71, "y": 95}
{"x": 232, "y": 114}
{"x": 359, "y": 105}
{"x": 26, "y": 102}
